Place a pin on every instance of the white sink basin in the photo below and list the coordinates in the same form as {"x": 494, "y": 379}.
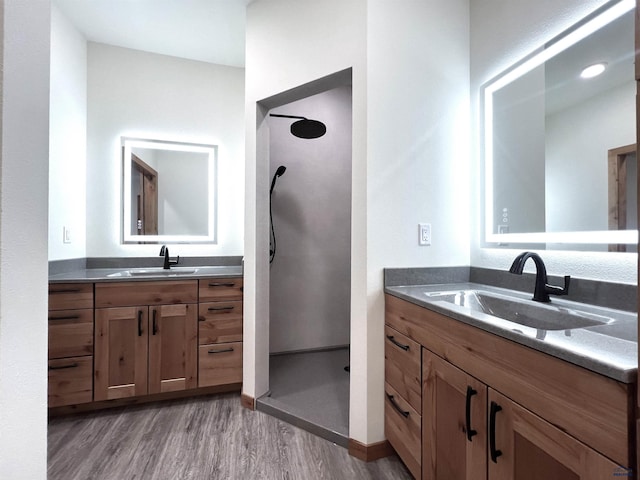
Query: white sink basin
{"x": 545, "y": 316}
{"x": 154, "y": 272}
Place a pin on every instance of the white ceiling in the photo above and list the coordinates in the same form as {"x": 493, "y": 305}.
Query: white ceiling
{"x": 206, "y": 30}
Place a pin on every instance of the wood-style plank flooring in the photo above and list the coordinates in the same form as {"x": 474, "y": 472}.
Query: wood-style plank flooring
{"x": 199, "y": 438}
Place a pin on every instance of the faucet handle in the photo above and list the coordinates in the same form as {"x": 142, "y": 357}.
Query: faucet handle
{"x": 556, "y": 290}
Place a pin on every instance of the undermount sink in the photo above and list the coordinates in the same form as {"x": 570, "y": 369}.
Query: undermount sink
{"x": 543, "y": 316}
{"x": 153, "y": 272}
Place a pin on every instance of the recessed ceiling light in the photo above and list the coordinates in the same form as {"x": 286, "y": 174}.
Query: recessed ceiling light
{"x": 593, "y": 70}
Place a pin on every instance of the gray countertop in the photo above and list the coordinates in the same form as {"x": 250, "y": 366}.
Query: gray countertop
{"x": 611, "y": 350}
{"x": 117, "y": 275}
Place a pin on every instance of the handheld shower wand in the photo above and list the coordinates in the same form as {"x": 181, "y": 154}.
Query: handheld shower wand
{"x": 272, "y": 238}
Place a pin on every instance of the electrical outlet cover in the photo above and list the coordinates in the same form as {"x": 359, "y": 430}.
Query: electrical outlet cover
{"x": 424, "y": 234}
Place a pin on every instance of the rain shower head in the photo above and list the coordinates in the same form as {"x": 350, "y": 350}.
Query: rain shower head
{"x": 304, "y": 127}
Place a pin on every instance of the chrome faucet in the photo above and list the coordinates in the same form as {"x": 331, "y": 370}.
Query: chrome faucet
{"x": 542, "y": 289}
{"x": 164, "y": 252}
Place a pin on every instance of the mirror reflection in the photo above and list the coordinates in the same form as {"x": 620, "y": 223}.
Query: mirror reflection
{"x": 560, "y": 162}
{"x": 168, "y": 191}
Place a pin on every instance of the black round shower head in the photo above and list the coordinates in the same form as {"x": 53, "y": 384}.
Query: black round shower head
{"x": 304, "y": 127}
{"x": 308, "y": 128}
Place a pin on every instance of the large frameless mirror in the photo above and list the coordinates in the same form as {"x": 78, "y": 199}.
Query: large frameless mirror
{"x": 559, "y": 149}
{"x": 169, "y": 192}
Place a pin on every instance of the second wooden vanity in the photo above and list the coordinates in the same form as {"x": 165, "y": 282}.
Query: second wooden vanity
{"x": 111, "y": 341}
{"x": 462, "y": 403}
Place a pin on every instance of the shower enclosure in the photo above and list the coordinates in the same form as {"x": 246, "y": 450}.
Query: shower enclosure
{"x": 310, "y": 279}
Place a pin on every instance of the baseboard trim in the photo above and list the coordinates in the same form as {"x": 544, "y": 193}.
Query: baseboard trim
{"x": 248, "y": 402}
{"x": 122, "y": 402}
{"x": 370, "y": 452}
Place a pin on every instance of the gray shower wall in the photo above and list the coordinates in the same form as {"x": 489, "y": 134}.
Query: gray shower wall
{"x": 310, "y": 277}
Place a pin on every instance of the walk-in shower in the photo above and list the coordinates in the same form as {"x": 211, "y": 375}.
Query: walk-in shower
{"x": 310, "y": 275}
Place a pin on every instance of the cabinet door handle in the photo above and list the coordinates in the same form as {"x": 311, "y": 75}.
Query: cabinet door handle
{"x": 70, "y": 317}
{"x": 495, "y": 453}
{"x": 155, "y": 322}
{"x": 404, "y": 413}
{"x": 220, "y": 309}
{"x": 470, "y": 432}
{"x": 221, "y": 351}
{"x": 60, "y": 367}
{"x": 392, "y": 339}
{"x": 139, "y": 323}
{"x": 231, "y": 284}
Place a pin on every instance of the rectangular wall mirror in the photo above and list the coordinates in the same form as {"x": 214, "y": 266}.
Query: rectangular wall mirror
{"x": 559, "y": 149}
{"x": 169, "y": 192}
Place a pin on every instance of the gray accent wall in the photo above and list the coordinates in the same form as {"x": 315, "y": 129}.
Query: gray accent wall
{"x": 311, "y": 275}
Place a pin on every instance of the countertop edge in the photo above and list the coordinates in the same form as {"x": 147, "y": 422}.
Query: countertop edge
{"x": 101, "y": 275}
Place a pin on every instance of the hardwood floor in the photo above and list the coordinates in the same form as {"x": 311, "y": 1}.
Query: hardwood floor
{"x": 200, "y": 438}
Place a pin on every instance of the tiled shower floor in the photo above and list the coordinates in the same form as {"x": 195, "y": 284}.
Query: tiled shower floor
{"x": 311, "y": 390}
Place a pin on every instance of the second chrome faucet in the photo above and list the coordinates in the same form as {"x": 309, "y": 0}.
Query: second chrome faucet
{"x": 542, "y": 289}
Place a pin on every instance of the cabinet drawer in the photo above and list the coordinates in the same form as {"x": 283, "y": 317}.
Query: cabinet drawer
{"x": 403, "y": 429}
{"x": 70, "y": 333}
{"x": 125, "y": 294}
{"x": 67, "y": 296}
{"x": 220, "y": 322}
{"x": 220, "y": 289}
{"x": 402, "y": 366}
{"x": 70, "y": 381}
{"x": 220, "y": 364}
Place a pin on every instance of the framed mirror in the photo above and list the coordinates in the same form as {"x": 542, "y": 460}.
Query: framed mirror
{"x": 558, "y": 140}
{"x": 169, "y": 192}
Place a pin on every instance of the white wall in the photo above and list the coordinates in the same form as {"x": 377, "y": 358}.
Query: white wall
{"x": 410, "y": 157}
{"x": 310, "y": 277}
{"x": 144, "y": 95}
{"x": 577, "y": 141}
{"x": 501, "y": 34}
{"x": 24, "y": 153}
{"x": 68, "y": 139}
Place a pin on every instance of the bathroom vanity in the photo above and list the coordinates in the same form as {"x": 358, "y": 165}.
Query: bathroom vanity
{"x": 465, "y": 400}
{"x": 156, "y": 335}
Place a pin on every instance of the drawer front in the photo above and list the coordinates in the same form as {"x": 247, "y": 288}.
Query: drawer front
{"x": 220, "y": 364}
{"x": 127, "y": 294}
{"x": 220, "y": 322}
{"x": 70, "y": 381}
{"x": 70, "y": 333}
{"x": 67, "y": 296}
{"x": 220, "y": 289}
{"x": 402, "y": 366}
{"x": 403, "y": 429}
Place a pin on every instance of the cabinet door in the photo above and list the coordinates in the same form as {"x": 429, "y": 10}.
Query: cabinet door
{"x": 120, "y": 352}
{"x": 173, "y": 348}
{"x": 453, "y": 422}
{"x": 523, "y": 446}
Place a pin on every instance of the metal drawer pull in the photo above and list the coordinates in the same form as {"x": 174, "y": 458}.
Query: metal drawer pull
{"x": 495, "y": 453}
{"x": 70, "y": 317}
{"x": 221, "y": 351}
{"x": 155, "y": 322}
{"x": 219, "y": 309}
{"x": 139, "y": 323}
{"x": 395, "y": 342}
{"x": 396, "y": 406}
{"x": 60, "y": 367}
{"x": 222, "y": 284}
{"x": 470, "y": 432}
{"x": 69, "y": 290}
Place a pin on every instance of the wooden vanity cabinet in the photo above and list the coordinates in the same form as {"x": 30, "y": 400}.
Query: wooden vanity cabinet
{"x": 145, "y": 338}
{"x": 220, "y": 331}
{"x": 70, "y": 330}
{"x": 546, "y": 417}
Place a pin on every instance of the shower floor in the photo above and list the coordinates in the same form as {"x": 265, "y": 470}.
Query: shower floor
{"x": 311, "y": 390}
